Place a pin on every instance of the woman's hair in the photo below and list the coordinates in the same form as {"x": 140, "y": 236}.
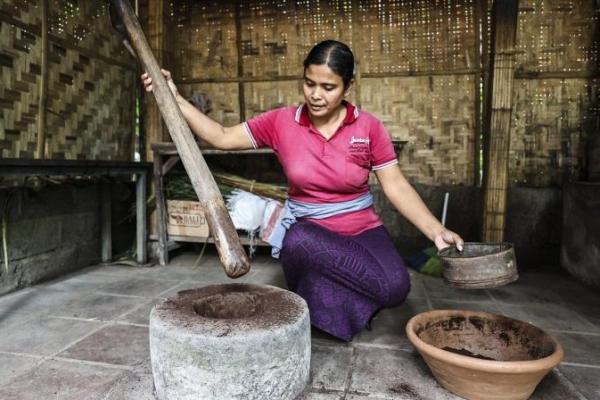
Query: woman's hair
{"x": 336, "y": 55}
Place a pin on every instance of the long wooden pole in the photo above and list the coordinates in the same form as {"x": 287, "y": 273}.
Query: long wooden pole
{"x": 498, "y": 113}
{"x": 227, "y": 241}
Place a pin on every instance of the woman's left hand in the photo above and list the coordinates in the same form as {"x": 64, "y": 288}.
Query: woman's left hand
{"x": 448, "y": 238}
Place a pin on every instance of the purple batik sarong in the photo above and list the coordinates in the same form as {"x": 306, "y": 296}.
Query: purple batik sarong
{"x": 345, "y": 280}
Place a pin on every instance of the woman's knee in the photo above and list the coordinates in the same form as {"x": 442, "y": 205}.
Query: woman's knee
{"x": 398, "y": 287}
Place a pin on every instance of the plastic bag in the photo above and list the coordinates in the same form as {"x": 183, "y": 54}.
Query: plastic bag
{"x": 246, "y": 210}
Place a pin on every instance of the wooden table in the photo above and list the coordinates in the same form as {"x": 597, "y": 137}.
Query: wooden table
{"x": 73, "y": 168}
{"x": 165, "y": 158}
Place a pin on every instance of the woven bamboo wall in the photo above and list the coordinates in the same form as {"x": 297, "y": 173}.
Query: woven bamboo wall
{"x": 556, "y": 114}
{"x": 392, "y": 40}
{"x": 91, "y": 80}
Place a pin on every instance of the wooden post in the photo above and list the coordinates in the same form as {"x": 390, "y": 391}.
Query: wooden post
{"x": 40, "y": 146}
{"x": 479, "y": 17}
{"x": 106, "y": 224}
{"x": 232, "y": 255}
{"x": 154, "y": 128}
{"x": 240, "y": 55}
{"x": 357, "y": 49}
{"x": 498, "y": 113}
{"x": 161, "y": 207}
{"x": 140, "y": 216}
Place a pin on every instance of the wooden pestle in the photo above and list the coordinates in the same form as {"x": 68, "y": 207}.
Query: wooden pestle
{"x": 232, "y": 254}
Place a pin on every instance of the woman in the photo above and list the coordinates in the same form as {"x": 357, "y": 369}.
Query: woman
{"x": 336, "y": 253}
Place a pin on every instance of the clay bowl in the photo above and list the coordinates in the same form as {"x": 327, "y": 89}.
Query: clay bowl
{"x": 479, "y": 265}
{"x": 483, "y": 356}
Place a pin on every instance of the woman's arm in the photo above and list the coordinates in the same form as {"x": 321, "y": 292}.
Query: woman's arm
{"x": 218, "y": 136}
{"x": 408, "y": 202}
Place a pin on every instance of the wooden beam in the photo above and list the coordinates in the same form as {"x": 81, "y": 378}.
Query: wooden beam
{"x": 498, "y": 113}
{"x": 40, "y": 145}
{"x": 282, "y": 78}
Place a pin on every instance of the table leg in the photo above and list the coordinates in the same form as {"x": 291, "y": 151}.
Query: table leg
{"x": 163, "y": 252}
{"x": 140, "y": 208}
{"x": 105, "y": 215}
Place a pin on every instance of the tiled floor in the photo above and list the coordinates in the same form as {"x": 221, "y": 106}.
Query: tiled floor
{"x": 85, "y": 336}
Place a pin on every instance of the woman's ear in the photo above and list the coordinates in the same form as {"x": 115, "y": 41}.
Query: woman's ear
{"x": 348, "y": 88}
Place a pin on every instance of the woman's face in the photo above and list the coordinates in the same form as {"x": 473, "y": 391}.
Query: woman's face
{"x": 323, "y": 90}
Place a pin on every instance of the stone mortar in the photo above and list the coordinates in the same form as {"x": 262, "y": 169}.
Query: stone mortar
{"x": 231, "y": 341}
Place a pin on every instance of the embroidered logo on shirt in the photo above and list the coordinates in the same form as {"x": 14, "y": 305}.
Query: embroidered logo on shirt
{"x": 359, "y": 140}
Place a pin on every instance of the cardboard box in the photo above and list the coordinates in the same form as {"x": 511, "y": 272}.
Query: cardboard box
{"x": 186, "y": 218}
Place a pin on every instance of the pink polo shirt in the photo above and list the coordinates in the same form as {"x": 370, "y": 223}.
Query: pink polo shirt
{"x": 325, "y": 171}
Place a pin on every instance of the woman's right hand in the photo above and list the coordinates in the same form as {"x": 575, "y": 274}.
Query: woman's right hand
{"x": 147, "y": 82}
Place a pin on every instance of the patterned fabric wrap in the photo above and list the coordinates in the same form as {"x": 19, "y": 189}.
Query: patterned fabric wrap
{"x": 296, "y": 209}
{"x": 345, "y": 280}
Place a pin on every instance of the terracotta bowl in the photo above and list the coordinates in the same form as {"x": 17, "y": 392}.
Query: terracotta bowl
{"x": 483, "y": 356}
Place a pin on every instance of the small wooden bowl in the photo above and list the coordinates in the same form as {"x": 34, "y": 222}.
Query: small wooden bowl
{"x": 479, "y": 265}
{"x": 483, "y": 356}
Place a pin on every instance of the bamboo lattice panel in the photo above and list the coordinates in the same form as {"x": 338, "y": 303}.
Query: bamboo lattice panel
{"x": 203, "y": 35}
{"x": 277, "y": 35}
{"x": 19, "y": 91}
{"x": 554, "y": 120}
{"x": 90, "y": 97}
{"x": 557, "y": 35}
{"x": 415, "y": 35}
{"x": 551, "y": 119}
{"x": 264, "y": 96}
{"x": 438, "y": 127}
{"x": 387, "y": 37}
{"x": 224, "y": 97}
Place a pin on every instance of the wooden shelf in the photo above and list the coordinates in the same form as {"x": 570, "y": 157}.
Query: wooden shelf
{"x": 244, "y": 240}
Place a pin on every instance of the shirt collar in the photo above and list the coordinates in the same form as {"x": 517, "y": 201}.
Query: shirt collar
{"x": 303, "y": 118}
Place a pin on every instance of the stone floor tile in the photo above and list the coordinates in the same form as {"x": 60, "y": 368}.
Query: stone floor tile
{"x": 417, "y": 288}
{"x": 121, "y": 271}
{"x": 394, "y": 374}
{"x": 62, "y": 380}
{"x": 321, "y": 396}
{"x": 437, "y": 289}
{"x": 585, "y": 380}
{"x": 8, "y": 319}
{"x": 113, "y": 344}
{"x": 579, "y": 348}
{"x": 37, "y": 301}
{"x": 269, "y": 276}
{"x": 44, "y": 335}
{"x": 323, "y": 338}
{"x": 548, "y": 316}
{"x": 554, "y": 386}
{"x": 14, "y": 365}
{"x": 139, "y": 287}
{"x": 79, "y": 282}
{"x": 141, "y": 314}
{"x": 388, "y": 326}
{"x": 98, "y": 306}
{"x": 329, "y": 367}
{"x": 529, "y": 288}
{"x": 132, "y": 386}
{"x": 590, "y": 311}
{"x": 487, "y": 306}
